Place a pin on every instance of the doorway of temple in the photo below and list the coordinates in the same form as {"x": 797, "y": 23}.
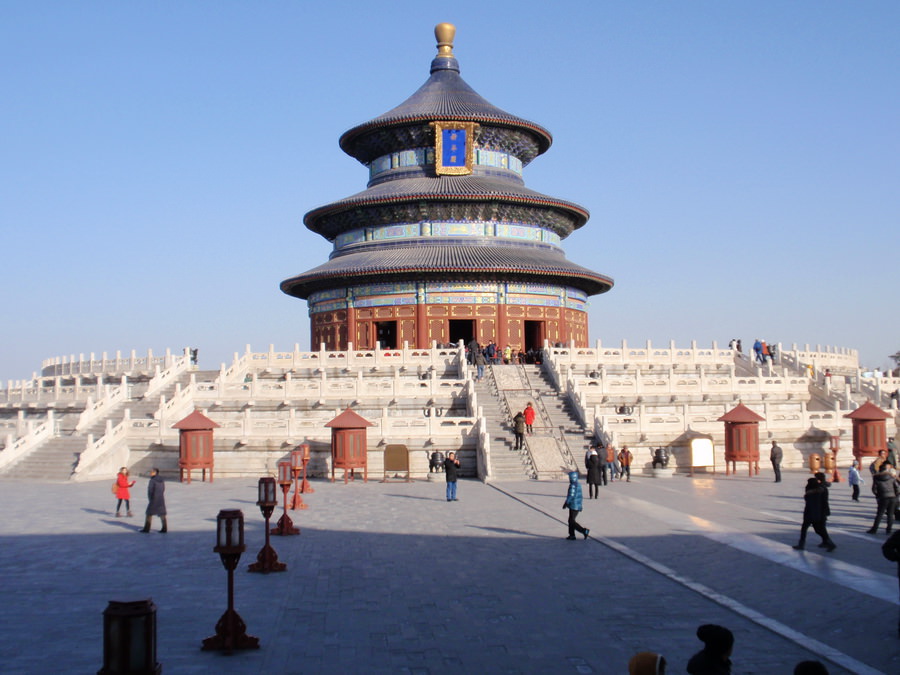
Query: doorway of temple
{"x": 534, "y": 335}
{"x": 387, "y": 334}
{"x": 462, "y": 329}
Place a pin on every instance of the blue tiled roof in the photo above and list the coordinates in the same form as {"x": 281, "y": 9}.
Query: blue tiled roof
{"x": 470, "y": 188}
{"x": 446, "y": 260}
{"x": 444, "y": 96}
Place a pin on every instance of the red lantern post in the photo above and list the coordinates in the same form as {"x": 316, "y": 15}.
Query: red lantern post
{"x": 267, "y": 558}
{"x": 297, "y": 465}
{"x": 285, "y": 525}
{"x": 231, "y": 631}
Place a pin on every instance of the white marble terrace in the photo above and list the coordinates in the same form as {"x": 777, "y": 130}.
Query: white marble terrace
{"x": 268, "y": 402}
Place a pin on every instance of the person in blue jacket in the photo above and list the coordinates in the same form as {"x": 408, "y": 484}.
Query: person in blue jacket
{"x": 573, "y": 503}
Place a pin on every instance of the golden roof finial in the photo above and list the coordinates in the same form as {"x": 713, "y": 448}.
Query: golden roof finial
{"x": 445, "y": 32}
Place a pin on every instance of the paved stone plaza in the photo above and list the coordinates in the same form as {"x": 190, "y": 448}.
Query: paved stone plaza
{"x": 391, "y": 578}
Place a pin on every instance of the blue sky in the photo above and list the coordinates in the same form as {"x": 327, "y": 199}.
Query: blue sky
{"x": 741, "y": 161}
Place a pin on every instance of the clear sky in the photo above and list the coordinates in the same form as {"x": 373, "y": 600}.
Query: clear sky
{"x": 741, "y": 161}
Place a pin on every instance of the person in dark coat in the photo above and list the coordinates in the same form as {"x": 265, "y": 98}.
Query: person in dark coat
{"x": 574, "y": 504}
{"x": 715, "y": 657}
{"x": 884, "y": 485}
{"x": 775, "y": 456}
{"x": 451, "y": 466}
{"x": 815, "y": 513}
{"x": 594, "y": 474}
{"x": 156, "y": 501}
{"x": 519, "y": 430}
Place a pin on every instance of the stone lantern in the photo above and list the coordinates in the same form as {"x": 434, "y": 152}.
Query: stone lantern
{"x": 741, "y": 438}
{"x": 348, "y": 444}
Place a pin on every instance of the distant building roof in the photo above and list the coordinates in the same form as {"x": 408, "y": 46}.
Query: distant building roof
{"x": 349, "y": 420}
{"x": 741, "y": 413}
{"x": 195, "y": 421}
{"x": 444, "y": 96}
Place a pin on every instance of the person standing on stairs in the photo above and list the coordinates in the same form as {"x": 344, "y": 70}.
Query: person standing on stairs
{"x": 519, "y": 430}
{"x": 530, "y": 414}
{"x": 156, "y": 501}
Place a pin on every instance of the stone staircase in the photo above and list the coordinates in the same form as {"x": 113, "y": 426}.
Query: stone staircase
{"x": 506, "y": 462}
{"x": 55, "y": 459}
{"x": 559, "y": 423}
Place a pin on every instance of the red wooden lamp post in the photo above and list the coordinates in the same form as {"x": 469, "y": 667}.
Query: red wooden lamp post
{"x": 267, "y": 558}
{"x": 299, "y": 460}
{"x": 285, "y": 525}
{"x": 231, "y": 631}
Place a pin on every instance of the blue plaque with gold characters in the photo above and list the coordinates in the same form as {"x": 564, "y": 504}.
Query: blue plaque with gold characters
{"x": 453, "y": 143}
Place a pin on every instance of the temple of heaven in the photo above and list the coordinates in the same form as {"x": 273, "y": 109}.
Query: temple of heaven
{"x": 446, "y": 243}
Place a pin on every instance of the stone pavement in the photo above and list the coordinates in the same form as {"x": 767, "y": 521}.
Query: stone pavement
{"x": 391, "y": 578}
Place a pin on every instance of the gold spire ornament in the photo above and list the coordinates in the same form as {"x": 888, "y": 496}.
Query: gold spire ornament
{"x": 444, "y": 33}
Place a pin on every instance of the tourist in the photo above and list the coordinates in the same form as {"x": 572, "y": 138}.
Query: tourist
{"x": 594, "y": 473}
{"x": 891, "y": 452}
{"x": 757, "y": 351}
{"x": 715, "y": 657}
{"x": 156, "y": 501}
{"x": 647, "y": 663}
{"x": 625, "y": 459}
{"x": 885, "y": 487}
{"x": 519, "y": 430}
{"x": 773, "y": 350}
{"x": 480, "y": 363}
{"x": 764, "y": 350}
{"x": 529, "y": 413}
{"x": 610, "y": 464}
{"x": 775, "y": 456}
{"x": 875, "y": 466}
{"x": 507, "y": 355}
{"x": 854, "y": 479}
{"x": 491, "y": 352}
{"x": 574, "y": 504}
{"x": 451, "y": 466}
{"x": 891, "y": 550}
{"x": 123, "y": 493}
{"x": 815, "y": 514}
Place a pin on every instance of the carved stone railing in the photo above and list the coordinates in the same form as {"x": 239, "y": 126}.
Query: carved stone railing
{"x": 15, "y": 449}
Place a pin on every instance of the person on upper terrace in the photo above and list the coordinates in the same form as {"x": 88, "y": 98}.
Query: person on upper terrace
{"x": 757, "y": 351}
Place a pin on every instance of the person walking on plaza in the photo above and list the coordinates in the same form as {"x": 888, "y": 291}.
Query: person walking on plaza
{"x": 451, "y": 467}
{"x": 854, "y": 479}
{"x": 574, "y": 504}
{"x": 891, "y": 550}
{"x": 610, "y": 464}
{"x": 156, "y": 501}
{"x": 891, "y": 452}
{"x": 123, "y": 493}
{"x": 886, "y": 492}
{"x": 815, "y": 514}
{"x": 530, "y": 414}
{"x": 625, "y": 459}
{"x": 519, "y": 430}
{"x": 715, "y": 657}
{"x": 594, "y": 473}
{"x": 775, "y": 456}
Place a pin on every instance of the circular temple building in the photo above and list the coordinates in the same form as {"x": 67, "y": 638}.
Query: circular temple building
{"x": 446, "y": 243}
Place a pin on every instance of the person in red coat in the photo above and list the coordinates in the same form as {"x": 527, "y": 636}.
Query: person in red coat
{"x": 529, "y": 413}
{"x": 122, "y": 492}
